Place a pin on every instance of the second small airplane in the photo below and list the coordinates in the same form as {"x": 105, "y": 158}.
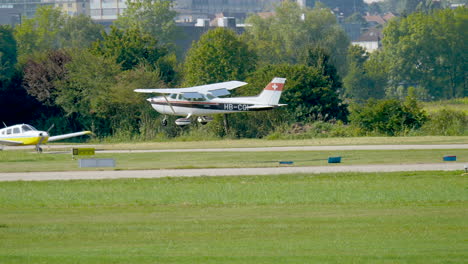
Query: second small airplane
{"x": 23, "y": 135}
{"x": 205, "y": 100}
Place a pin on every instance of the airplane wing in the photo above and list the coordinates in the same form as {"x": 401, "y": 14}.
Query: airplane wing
{"x": 10, "y": 142}
{"x": 76, "y": 134}
{"x": 196, "y": 89}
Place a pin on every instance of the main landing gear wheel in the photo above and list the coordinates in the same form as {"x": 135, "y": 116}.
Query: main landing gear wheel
{"x": 38, "y": 149}
{"x": 164, "y": 122}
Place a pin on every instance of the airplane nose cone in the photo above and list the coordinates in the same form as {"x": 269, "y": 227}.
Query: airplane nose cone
{"x": 43, "y": 134}
{"x": 149, "y": 100}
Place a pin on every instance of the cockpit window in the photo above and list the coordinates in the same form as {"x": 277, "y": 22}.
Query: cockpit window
{"x": 173, "y": 96}
{"x": 209, "y": 96}
{"x": 27, "y": 128}
{"x": 202, "y": 98}
{"x": 181, "y": 97}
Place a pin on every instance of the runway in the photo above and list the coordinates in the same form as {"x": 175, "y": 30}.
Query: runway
{"x": 99, "y": 175}
{"x": 286, "y": 148}
{"x": 299, "y": 148}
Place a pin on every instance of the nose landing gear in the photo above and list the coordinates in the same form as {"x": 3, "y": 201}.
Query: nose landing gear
{"x": 204, "y": 119}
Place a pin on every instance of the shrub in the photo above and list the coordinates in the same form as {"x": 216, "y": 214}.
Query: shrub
{"x": 390, "y": 117}
{"x": 447, "y": 122}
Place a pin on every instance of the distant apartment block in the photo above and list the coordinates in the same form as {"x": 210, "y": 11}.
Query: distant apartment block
{"x": 73, "y": 7}
{"x": 188, "y": 10}
{"x": 26, "y": 8}
{"x": 11, "y": 11}
{"x": 9, "y": 15}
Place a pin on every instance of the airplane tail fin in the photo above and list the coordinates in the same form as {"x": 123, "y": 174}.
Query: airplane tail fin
{"x": 272, "y": 92}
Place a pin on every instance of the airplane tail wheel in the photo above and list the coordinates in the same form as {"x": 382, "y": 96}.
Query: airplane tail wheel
{"x": 164, "y": 122}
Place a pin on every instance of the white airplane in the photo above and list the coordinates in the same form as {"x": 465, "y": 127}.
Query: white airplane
{"x": 22, "y": 135}
{"x": 205, "y": 100}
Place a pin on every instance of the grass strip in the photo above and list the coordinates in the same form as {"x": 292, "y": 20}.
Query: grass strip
{"x": 405, "y": 217}
{"x": 22, "y": 161}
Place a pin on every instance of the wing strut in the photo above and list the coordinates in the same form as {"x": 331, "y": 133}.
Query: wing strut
{"x": 167, "y": 101}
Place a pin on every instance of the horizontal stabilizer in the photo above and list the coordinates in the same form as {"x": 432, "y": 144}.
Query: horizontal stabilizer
{"x": 76, "y": 134}
{"x": 10, "y": 142}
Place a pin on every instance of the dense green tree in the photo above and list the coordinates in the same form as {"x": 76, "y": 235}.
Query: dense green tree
{"x": 319, "y": 58}
{"x": 8, "y": 55}
{"x": 285, "y": 37}
{"x": 429, "y": 50}
{"x": 79, "y": 32}
{"x": 218, "y": 56}
{"x": 376, "y": 72}
{"x": 127, "y": 111}
{"x": 154, "y": 17}
{"x": 86, "y": 88}
{"x": 51, "y": 29}
{"x": 132, "y": 47}
{"x": 363, "y": 80}
{"x": 96, "y": 94}
{"x": 39, "y": 33}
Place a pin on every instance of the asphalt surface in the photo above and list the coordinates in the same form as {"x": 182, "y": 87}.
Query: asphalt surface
{"x": 291, "y": 148}
{"x": 97, "y": 175}
{"x": 299, "y": 148}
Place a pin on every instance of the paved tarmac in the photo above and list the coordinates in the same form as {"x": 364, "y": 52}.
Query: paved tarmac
{"x": 291, "y": 148}
{"x": 96, "y": 175}
{"x": 299, "y": 148}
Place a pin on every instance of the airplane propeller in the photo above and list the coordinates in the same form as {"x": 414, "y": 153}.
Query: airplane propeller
{"x": 38, "y": 146}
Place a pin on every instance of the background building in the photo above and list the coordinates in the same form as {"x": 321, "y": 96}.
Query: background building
{"x": 9, "y": 15}
{"x": 188, "y": 10}
{"x": 73, "y": 7}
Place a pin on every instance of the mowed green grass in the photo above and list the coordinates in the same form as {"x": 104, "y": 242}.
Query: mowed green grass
{"x": 405, "y": 217}
{"x": 21, "y": 161}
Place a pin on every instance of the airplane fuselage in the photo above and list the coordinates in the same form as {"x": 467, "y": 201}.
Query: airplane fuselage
{"x": 198, "y": 108}
{"x": 22, "y": 135}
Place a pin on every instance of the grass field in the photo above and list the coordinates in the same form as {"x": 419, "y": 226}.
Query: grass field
{"x": 332, "y": 218}
{"x": 21, "y": 161}
{"x": 459, "y": 104}
{"x": 250, "y": 143}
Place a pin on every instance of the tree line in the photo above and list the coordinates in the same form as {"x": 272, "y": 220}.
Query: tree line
{"x": 71, "y": 72}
